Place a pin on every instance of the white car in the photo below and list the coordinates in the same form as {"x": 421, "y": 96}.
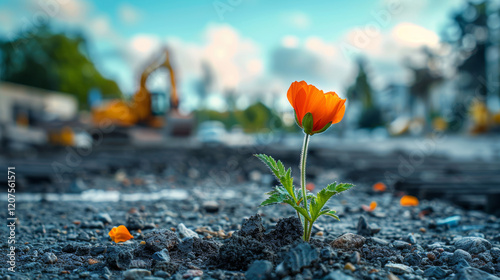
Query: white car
{"x": 211, "y": 132}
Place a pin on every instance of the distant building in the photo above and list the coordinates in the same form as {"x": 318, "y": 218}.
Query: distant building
{"x": 25, "y": 112}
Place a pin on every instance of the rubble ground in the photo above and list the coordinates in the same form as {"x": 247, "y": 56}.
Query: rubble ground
{"x": 218, "y": 231}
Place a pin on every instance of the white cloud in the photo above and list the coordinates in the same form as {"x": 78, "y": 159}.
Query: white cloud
{"x": 297, "y": 20}
{"x": 314, "y": 60}
{"x": 129, "y": 14}
{"x": 100, "y": 26}
{"x": 72, "y": 11}
{"x": 144, "y": 44}
{"x": 290, "y": 41}
{"x": 387, "y": 51}
{"x": 413, "y": 35}
{"x": 235, "y": 60}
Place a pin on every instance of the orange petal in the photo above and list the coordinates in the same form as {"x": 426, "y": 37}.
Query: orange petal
{"x": 310, "y": 187}
{"x": 303, "y": 105}
{"x": 373, "y": 206}
{"x": 339, "y": 115}
{"x": 292, "y": 91}
{"x": 379, "y": 187}
{"x": 324, "y": 107}
{"x": 300, "y": 99}
{"x": 408, "y": 200}
{"x": 120, "y": 234}
{"x": 337, "y": 108}
{"x": 333, "y": 109}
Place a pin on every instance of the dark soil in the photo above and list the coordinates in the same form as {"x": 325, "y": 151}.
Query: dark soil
{"x": 219, "y": 232}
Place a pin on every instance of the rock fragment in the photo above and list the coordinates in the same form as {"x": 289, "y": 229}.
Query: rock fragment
{"x": 185, "y": 232}
{"x": 136, "y": 274}
{"x": 348, "y": 241}
{"x": 259, "y": 270}
{"x": 157, "y": 240}
{"x": 397, "y": 268}
{"x": 49, "y": 258}
{"x": 473, "y": 245}
{"x": 162, "y": 255}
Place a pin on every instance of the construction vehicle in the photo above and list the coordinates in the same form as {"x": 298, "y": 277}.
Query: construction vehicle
{"x": 146, "y": 109}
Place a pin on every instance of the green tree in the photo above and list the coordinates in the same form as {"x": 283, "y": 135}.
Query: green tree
{"x": 361, "y": 91}
{"x": 257, "y": 117}
{"x": 54, "y": 61}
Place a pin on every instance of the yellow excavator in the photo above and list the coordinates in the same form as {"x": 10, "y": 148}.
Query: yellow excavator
{"x": 146, "y": 108}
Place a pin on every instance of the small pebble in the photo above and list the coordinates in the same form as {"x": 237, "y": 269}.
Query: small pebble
{"x": 350, "y": 266}
{"x": 136, "y": 274}
{"x": 193, "y": 273}
{"x": 49, "y": 258}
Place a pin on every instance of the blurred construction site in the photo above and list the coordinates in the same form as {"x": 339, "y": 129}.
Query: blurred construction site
{"x": 103, "y": 82}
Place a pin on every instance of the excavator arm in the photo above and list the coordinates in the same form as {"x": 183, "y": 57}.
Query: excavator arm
{"x": 141, "y": 102}
{"x": 139, "y": 110}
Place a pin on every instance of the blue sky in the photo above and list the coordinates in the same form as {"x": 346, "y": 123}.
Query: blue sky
{"x": 255, "y": 47}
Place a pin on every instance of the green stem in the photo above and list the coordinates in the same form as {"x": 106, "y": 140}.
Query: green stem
{"x": 298, "y": 215}
{"x": 303, "y": 160}
{"x": 310, "y": 231}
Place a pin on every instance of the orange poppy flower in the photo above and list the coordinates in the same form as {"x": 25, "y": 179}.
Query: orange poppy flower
{"x": 315, "y": 111}
{"x": 120, "y": 234}
{"x": 408, "y": 200}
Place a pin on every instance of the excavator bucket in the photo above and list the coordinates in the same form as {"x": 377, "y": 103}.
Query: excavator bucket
{"x": 178, "y": 125}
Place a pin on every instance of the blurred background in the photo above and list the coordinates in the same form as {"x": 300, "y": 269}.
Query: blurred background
{"x": 91, "y": 76}
{"x": 406, "y": 67}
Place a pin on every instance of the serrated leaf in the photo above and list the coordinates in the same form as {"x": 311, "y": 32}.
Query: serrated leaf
{"x": 333, "y": 189}
{"x": 278, "y": 169}
{"x": 318, "y": 202}
{"x": 270, "y": 162}
{"x": 299, "y": 209}
{"x": 281, "y": 168}
{"x": 274, "y": 199}
{"x": 298, "y": 195}
{"x": 332, "y": 214}
{"x": 277, "y": 190}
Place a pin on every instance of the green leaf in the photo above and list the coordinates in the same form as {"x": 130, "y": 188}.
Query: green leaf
{"x": 298, "y": 194}
{"x": 332, "y": 214}
{"x": 318, "y": 202}
{"x": 333, "y": 189}
{"x": 299, "y": 209}
{"x": 308, "y": 123}
{"x": 270, "y": 162}
{"x": 275, "y": 199}
{"x": 278, "y": 169}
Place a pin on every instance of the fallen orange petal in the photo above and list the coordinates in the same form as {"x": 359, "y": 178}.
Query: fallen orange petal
{"x": 120, "y": 234}
{"x": 408, "y": 200}
{"x": 373, "y": 206}
{"x": 379, "y": 187}
{"x": 310, "y": 186}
